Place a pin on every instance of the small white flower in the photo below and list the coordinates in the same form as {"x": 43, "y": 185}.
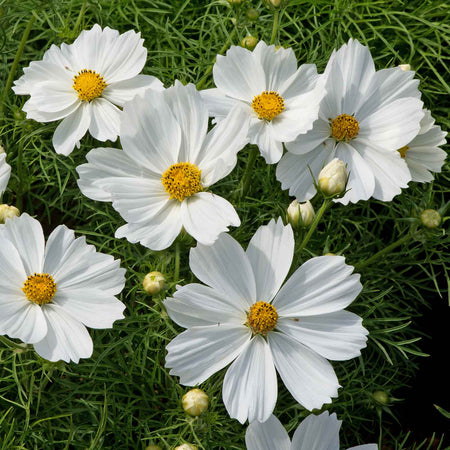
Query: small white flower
{"x": 160, "y": 182}
{"x": 245, "y": 317}
{"x": 422, "y": 154}
{"x": 83, "y": 83}
{"x": 5, "y": 173}
{"x": 50, "y": 293}
{"x": 364, "y": 118}
{"x": 281, "y": 100}
{"x": 333, "y": 177}
{"x": 314, "y": 433}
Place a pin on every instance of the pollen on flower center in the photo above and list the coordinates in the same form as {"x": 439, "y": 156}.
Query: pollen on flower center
{"x": 181, "y": 180}
{"x": 88, "y": 84}
{"x": 262, "y": 318}
{"x": 268, "y": 105}
{"x": 403, "y": 151}
{"x": 40, "y": 288}
{"x": 344, "y": 127}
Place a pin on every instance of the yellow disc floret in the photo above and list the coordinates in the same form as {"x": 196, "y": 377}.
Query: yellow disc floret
{"x": 181, "y": 180}
{"x": 88, "y": 84}
{"x": 262, "y": 318}
{"x": 40, "y": 288}
{"x": 344, "y": 127}
{"x": 268, "y": 105}
{"x": 403, "y": 151}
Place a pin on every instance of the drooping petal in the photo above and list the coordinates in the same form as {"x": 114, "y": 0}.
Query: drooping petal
{"x": 261, "y": 134}
{"x": 105, "y": 120}
{"x": 267, "y": 436}
{"x": 270, "y": 253}
{"x": 5, "y": 173}
{"x": 250, "y": 384}
{"x": 337, "y": 336}
{"x": 205, "y": 216}
{"x": 321, "y": 285}
{"x": 199, "y": 352}
{"x": 309, "y": 377}
{"x": 225, "y": 267}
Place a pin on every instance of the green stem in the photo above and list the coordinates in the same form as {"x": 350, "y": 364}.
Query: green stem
{"x": 11, "y": 344}
{"x": 385, "y": 250}
{"x": 176, "y": 274}
{"x": 247, "y": 177}
{"x": 313, "y": 226}
{"x": 15, "y": 63}
{"x": 80, "y": 17}
{"x": 202, "y": 81}
{"x": 19, "y": 203}
{"x": 276, "y": 16}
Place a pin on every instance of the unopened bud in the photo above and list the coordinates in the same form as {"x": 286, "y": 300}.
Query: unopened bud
{"x": 195, "y": 402}
{"x": 430, "y": 218}
{"x": 234, "y": 2}
{"x": 381, "y": 397}
{"x": 404, "y": 67}
{"x": 186, "y": 446}
{"x": 275, "y": 4}
{"x": 300, "y": 214}
{"x": 153, "y": 447}
{"x": 249, "y": 42}
{"x": 252, "y": 13}
{"x": 333, "y": 177}
{"x": 8, "y": 212}
{"x": 2, "y": 150}
{"x": 153, "y": 282}
{"x": 330, "y": 254}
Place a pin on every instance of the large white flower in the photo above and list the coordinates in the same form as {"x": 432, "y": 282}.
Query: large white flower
{"x": 314, "y": 433}
{"x": 159, "y": 182}
{"x": 422, "y": 154}
{"x": 281, "y": 100}
{"x": 242, "y": 315}
{"x": 5, "y": 173}
{"x": 50, "y": 293}
{"x": 82, "y": 82}
{"x": 364, "y": 118}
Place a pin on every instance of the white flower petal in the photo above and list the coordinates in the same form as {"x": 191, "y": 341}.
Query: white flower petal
{"x": 239, "y": 74}
{"x": 303, "y": 80}
{"x": 123, "y": 91}
{"x": 311, "y": 140}
{"x": 33, "y": 112}
{"x": 72, "y": 129}
{"x": 198, "y": 305}
{"x": 262, "y": 135}
{"x": 225, "y": 267}
{"x": 66, "y": 339}
{"x": 12, "y": 270}
{"x": 270, "y": 253}
{"x": 250, "y": 385}
{"x": 321, "y": 285}
{"x": 5, "y": 173}
{"x": 105, "y": 120}
{"x": 199, "y": 352}
{"x": 205, "y": 216}
{"x": 309, "y": 377}
{"x": 106, "y": 166}
{"x": 317, "y": 433}
{"x": 219, "y": 105}
{"x": 337, "y": 336}
{"x": 269, "y": 435}
{"x": 54, "y": 96}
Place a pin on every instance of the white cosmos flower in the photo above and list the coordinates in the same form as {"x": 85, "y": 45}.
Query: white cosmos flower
{"x": 50, "y": 292}
{"x": 364, "y": 118}
{"x": 245, "y": 317}
{"x": 422, "y": 154}
{"x": 314, "y": 433}
{"x": 5, "y": 173}
{"x": 160, "y": 182}
{"x": 281, "y": 100}
{"x": 83, "y": 83}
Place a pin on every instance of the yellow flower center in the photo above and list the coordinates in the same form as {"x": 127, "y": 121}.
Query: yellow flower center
{"x": 182, "y": 180}
{"x": 40, "y": 288}
{"x": 403, "y": 151}
{"x": 344, "y": 127}
{"x": 88, "y": 84}
{"x": 268, "y": 105}
{"x": 262, "y": 318}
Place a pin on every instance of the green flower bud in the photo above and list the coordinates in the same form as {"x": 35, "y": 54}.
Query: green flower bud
{"x": 381, "y": 397}
{"x": 430, "y": 218}
{"x": 186, "y": 446}
{"x": 195, "y": 402}
{"x": 153, "y": 282}
{"x": 249, "y": 42}
{"x": 252, "y": 13}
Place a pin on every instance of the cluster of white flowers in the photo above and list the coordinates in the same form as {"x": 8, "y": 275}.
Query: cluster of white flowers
{"x": 369, "y": 125}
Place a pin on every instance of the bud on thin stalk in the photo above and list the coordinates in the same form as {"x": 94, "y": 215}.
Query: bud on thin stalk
{"x": 333, "y": 178}
{"x": 300, "y": 214}
{"x": 195, "y": 402}
{"x": 8, "y": 212}
{"x": 153, "y": 282}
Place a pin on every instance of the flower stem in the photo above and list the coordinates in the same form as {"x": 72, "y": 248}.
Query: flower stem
{"x": 276, "y": 16}
{"x": 80, "y": 17}
{"x": 385, "y": 250}
{"x": 15, "y": 63}
{"x": 19, "y": 202}
{"x": 326, "y": 203}
{"x": 176, "y": 273}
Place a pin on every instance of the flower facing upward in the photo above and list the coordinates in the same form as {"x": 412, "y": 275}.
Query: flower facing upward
{"x": 245, "y": 316}
{"x": 160, "y": 182}
{"x": 5, "y": 173}
{"x": 281, "y": 100}
{"x": 314, "y": 433}
{"x": 50, "y": 293}
{"x": 83, "y": 83}
{"x": 364, "y": 118}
